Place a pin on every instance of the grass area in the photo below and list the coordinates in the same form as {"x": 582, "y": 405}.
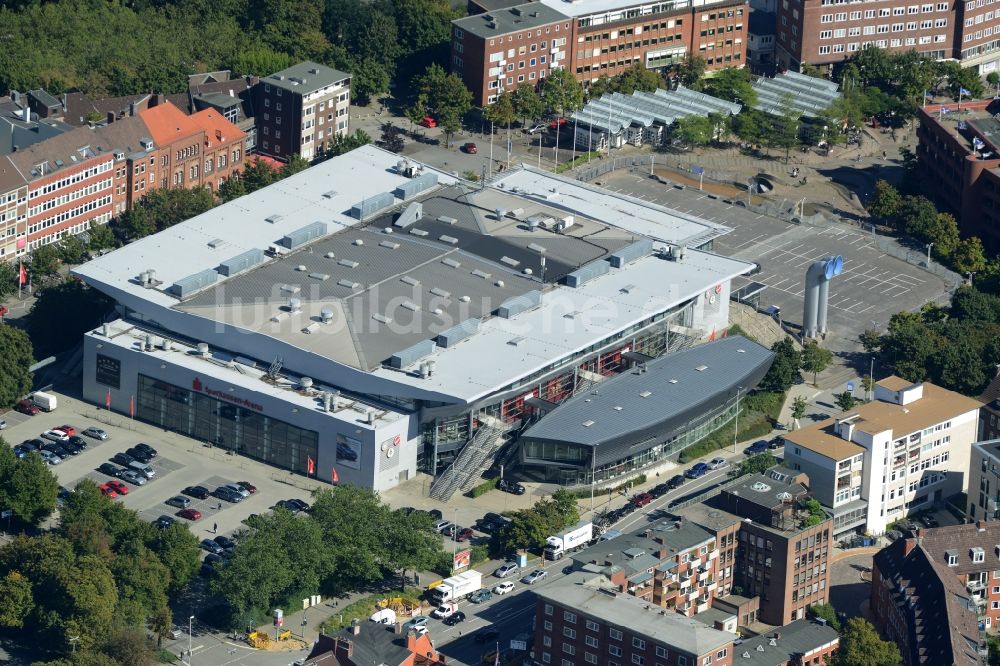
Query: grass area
{"x": 483, "y": 488}
{"x": 585, "y": 493}
{"x": 758, "y": 415}
{"x": 166, "y": 656}
{"x": 362, "y": 609}
{"x": 580, "y": 159}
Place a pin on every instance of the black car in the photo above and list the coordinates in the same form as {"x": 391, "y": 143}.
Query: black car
{"x": 659, "y": 490}
{"x": 163, "y": 522}
{"x": 454, "y": 618}
{"x": 139, "y": 454}
{"x": 676, "y": 482}
{"x": 225, "y": 542}
{"x": 123, "y": 459}
{"x": 288, "y": 505}
{"x": 32, "y": 444}
{"x": 78, "y": 442}
{"x": 435, "y": 514}
{"x": 495, "y": 518}
{"x": 487, "y": 634}
{"x": 512, "y": 487}
{"x": 485, "y": 526}
{"x": 147, "y": 449}
{"x": 71, "y": 448}
{"x": 211, "y": 546}
{"x": 109, "y": 469}
{"x": 197, "y": 492}
{"x": 302, "y": 506}
{"x": 57, "y": 449}
{"x": 776, "y": 443}
{"x": 208, "y": 567}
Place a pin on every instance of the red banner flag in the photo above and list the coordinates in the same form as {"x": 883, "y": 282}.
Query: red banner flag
{"x": 310, "y": 466}
{"x": 131, "y": 406}
{"x": 107, "y": 399}
{"x": 22, "y": 275}
{"x": 334, "y": 477}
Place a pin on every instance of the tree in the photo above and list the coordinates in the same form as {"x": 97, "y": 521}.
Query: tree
{"x": 798, "y": 408}
{"x": 868, "y": 384}
{"x": 885, "y": 203}
{"x": 757, "y": 463}
{"x": 860, "y": 645}
{"x": 232, "y": 188}
{"x": 101, "y": 237}
{"x": 750, "y": 126}
{"x": 528, "y": 104}
{"x": 993, "y": 79}
{"x": 691, "y": 71}
{"x": 129, "y": 646}
{"x": 944, "y": 235}
{"x": 959, "y": 367}
{"x": 16, "y": 357}
{"x": 526, "y": 529}
{"x": 445, "y": 96}
{"x": 561, "y": 92}
{"x": 295, "y": 164}
{"x": 16, "y": 600}
{"x": 693, "y": 130}
{"x": 784, "y": 130}
{"x": 8, "y": 278}
{"x": 76, "y": 306}
{"x": 344, "y": 144}
{"x": 566, "y": 507}
{"x": 969, "y": 255}
{"x": 392, "y": 138}
{"x": 44, "y": 261}
{"x": 732, "y": 84}
{"x": 369, "y": 80}
{"x": 27, "y": 487}
{"x": 72, "y": 250}
{"x": 635, "y": 78}
{"x": 257, "y": 174}
{"x": 501, "y": 112}
{"x": 870, "y": 340}
{"x": 178, "y": 549}
{"x": 815, "y": 359}
{"x": 161, "y": 624}
{"x": 784, "y": 368}
{"x": 845, "y": 401}
{"x": 133, "y": 224}
{"x": 416, "y": 112}
{"x": 917, "y": 215}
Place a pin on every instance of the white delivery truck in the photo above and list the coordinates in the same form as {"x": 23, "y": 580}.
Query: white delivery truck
{"x": 44, "y": 401}
{"x": 456, "y": 587}
{"x": 569, "y": 540}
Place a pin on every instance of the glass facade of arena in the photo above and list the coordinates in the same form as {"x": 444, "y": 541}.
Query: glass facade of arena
{"x": 219, "y": 423}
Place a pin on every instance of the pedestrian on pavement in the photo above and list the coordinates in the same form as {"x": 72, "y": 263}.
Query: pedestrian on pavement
{"x": 215, "y": 528}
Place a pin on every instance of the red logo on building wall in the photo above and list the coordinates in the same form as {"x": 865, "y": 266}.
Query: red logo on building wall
{"x": 196, "y": 385}
{"x": 396, "y": 440}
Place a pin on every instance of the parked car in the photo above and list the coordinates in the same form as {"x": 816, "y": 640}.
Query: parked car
{"x": 197, "y": 492}
{"x": 470, "y": 148}
{"x": 225, "y": 542}
{"x": 659, "y": 490}
{"x": 132, "y": 477}
{"x": 443, "y": 526}
{"x": 487, "y": 634}
{"x": 21, "y": 452}
{"x": 558, "y": 122}
{"x": 228, "y": 494}
{"x": 534, "y": 577}
{"x": 78, "y": 442}
{"x": 189, "y": 514}
{"x": 118, "y": 486}
{"x": 242, "y": 492}
{"x": 68, "y": 429}
{"x": 142, "y": 468}
{"x": 26, "y": 407}
{"x": 70, "y": 448}
{"x": 464, "y": 534}
{"x": 32, "y": 444}
{"x": 480, "y": 596}
{"x": 494, "y": 518}
{"x": 247, "y": 486}
{"x": 757, "y": 447}
{"x": 427, "y": 121}
{"x": 49, "y": 457}
{"x": 676, "y": 481}
{"x": 211, "y": 563}
{"x": 139, "y": 454}
{"x": 444, "y": 610}
{"x": 416, "y": 623}
{"x": 163, "y": 522}
{"x": 717, "y": 463}
{"x": 123, "y": 459}
{"x": 300, "y": 505}
{"x": 776, "y": 443}
{"x": 96, "y": 433}
{"x": 642, "y": 499}
{"x": 288, "y": 505}
{"x": 435, "y": 514}
{"x": 57, "y": 449}
{"x": 149, "y": 450}
{"x": 535, "y": 129}
{"x": 211, "y": 546}
{"x": 55, "y": 435}
{"x": 506, "y": 569}
{"x": 107, "y": 491}
{"x": 503, "y": 588}
{"x": 697, "y": 471}
{"x": 512, "y": 487}
{"x": 454, "y": 618}
{"x": 179, "y": 501}
{"x": 3, "y": 424}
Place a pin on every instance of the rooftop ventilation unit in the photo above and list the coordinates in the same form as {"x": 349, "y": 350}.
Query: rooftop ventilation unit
{"x": 500, "y": 213}
{"x": 444, "y": 219}
{"x": 241, "y": 262}
{"x": 326, "y": 315}
{"x": 411, "y": 355}
{"x": 417, "y": 232}
{"x": 274, "y": 219}
{"x": 300, "y": 237}
{"x": 372, "y": 205}
{"x": 406, "y": 279}
{"x": 587, "y": 272}
{"x": 458, "y": 333}
{"x": 630, "y": 253}
{"x": 192, "y": 283}
{"x": 451, "y": 263}
{"x": 450, "y": 240}
{"x": 438, "y": 291}
{"x": 412, "y": 214}
{"x": 415, "y": 186}
{"x": 519, "y": 304}
{"x": 216, "y": 243}
{"x": 389, "y": 245}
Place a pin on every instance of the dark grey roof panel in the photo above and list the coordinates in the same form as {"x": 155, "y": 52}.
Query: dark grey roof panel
{"x": 586, "y": 273}
{"x": 630, "y": 253}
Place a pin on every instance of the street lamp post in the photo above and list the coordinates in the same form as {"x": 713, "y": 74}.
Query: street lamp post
{"x": 190, "y": 629}
{"x": 593, "y": 479}
{"x": 929, "y": 246}
{"x": 736, "y": 429}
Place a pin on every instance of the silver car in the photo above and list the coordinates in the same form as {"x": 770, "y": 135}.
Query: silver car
{"x": 49, "y": 457}
{"x": 95, "y": 433}
{"x": 132, "y": 477}
{"x": 506, "y": 569}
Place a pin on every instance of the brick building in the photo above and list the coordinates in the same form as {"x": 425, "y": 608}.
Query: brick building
{"x": 492, "y": 50}
{"x": 200, "y": 150}
{"x": 827, "y": 31}
{"x": 13, "y": 211}
{"x": 930, "y": 590}
{"x": 989, "y": 413}
{"x": 301, "y": 109}
{"x": 363, "y": 644}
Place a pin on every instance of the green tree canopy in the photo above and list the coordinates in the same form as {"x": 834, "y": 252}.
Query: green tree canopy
{"x": 76, "y": 306}
{"x": 784, "y": 369}
{"x": 27, "y": 486}
{"x": 501, "y": 112}
{"x": 562, "y": 92}
{"x": 528, "y": 103}
{"x": 16, "y": 357}
{"x": 860, "y": 645}
{"x": 845, "y": 401}
{"x": 885, "y": 203}
{"x": 694, "y": 130}
{"x": 733, "y": 84}
{"x": 815, "y": 359}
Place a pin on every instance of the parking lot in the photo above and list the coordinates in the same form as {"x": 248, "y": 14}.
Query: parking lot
{"x": 180, "y": 462}
{"x": 872, "y": 287}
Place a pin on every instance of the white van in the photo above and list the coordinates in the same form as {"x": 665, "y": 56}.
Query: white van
{"x": 142, "y": 468}
{"x": 384, "y": 616}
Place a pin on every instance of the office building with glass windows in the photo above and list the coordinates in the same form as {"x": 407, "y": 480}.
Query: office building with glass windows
{"x": 379, "y": 318}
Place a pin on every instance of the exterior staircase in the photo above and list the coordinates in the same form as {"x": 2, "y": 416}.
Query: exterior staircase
{"x": 476, "y": 457}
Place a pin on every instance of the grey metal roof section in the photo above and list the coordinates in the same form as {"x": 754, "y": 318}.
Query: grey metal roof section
{"x": 415, "y": 186}
{"x": 372, "y": 205}
{"x": 808, "y": 95}
{"x": 457, "y": 333}
{"x": 192, "y": 283}
{"x": 410, "y": 355}
{"x": 504, "y": 20}
{"x": 522, "y": 303}
{"x": 300, "y": 237}
{"x": 410, "y": 215}
{"x": 306, "y": 77}
{"x": 585, "y": 274}
{"x": 672, "y": 389}
{"x": 241, "y": 262}
{"x": 793, "y": 640}
{"x": 630, "y": 253}
{"x": 616, "y": 111}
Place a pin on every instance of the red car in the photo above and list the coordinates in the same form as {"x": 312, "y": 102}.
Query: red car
{"x": 428, "y": 122}
{"x": 464, "y": 534}
{"x": 559, "y": 122}
{"x": 247, "y": 486}
{"x": 642, "y": 499}
{"x": 118, "y": 487}
{"x": 26, "y": 407}
{"x": 470, "y": 148}
{"x": 190, "y": 514}
{"x": 68, "y": 429}
{"x": 108, "y": 491}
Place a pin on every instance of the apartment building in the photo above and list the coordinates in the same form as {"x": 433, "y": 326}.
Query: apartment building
{"x": 931, "y": 590}
{"x": 822, "y": 32}
{"x": 984, "y": 481}
{"x": 989, "y": 413}
{"x": 301, "y": 109}
{"x": 200, "y": 150}
{"x": 591, "y": 40}
{"x": 582, "y": 620}
{"x": 13, "y": 211}
{"x": 901, "y": 453}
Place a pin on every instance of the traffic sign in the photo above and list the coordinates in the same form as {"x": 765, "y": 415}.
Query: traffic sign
{"x": 850, "y": 387}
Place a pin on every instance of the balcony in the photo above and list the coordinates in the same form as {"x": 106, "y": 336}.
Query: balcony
{"x": 975, "y": 586}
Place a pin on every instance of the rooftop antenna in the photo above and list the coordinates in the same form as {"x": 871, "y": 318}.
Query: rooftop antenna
{"x": 274, "y": 369}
